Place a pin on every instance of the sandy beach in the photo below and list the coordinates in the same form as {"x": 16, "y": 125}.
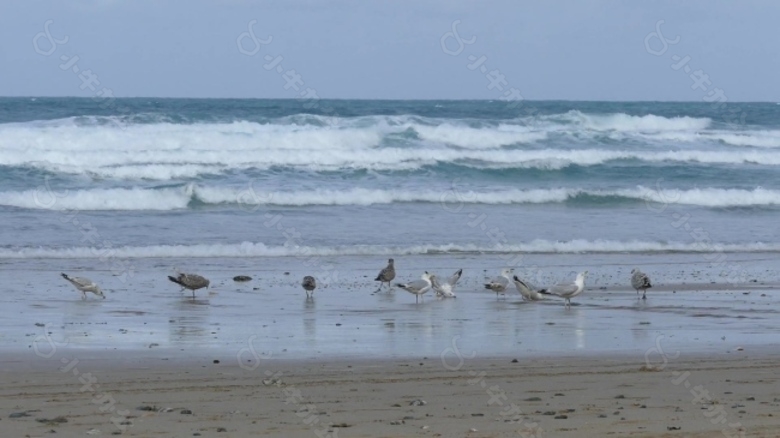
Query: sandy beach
{"x": 449, "y": 395}
{"x": 696, "y": 359}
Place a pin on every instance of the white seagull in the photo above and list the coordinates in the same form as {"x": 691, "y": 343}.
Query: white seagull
{"x": 417, "y": 287}
{"x": 640, "y": 281}
{"x": 446, "y": 289}
{"x": 84, "y": 285}
{"x": 499, "y": 284}
{"x": 528, "y": 291}
{"x": 568, "y": 291}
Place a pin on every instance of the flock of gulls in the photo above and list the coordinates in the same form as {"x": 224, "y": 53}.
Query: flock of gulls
{"x": 443, "y": 288}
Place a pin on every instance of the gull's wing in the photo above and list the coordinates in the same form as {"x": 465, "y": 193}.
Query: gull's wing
{"x": 386, "y": 274}
{"x": 193, "y": 280}
{"x": 415, "y": 286}
{"x": 82, "y": 282}
{"x": 640, "y": 280}
{"x": 455, "y": 277}
{"x": 522, "y": 287}
{"x": 79, "y": 282}
{"x": 499, "y": 283}
{"x": 563, "y": 289}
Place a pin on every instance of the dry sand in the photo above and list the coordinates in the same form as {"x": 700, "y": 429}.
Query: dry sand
{"x": 558, "y": 397}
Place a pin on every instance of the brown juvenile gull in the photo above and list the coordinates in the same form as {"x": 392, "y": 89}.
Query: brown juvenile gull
{"x": 84, "y": 285}
{"x": 446, "y": 289}
{"x": 309, "y": 284}
{"x": 417, "y": 287}
{"x": 527, "y": 290}
{"x": 386, "y": 275}
{"x": 568, "y": 291}
{"x": 499, "y": 284}
{"x": 192, "y": 282}
{"x": 640, "y": 281}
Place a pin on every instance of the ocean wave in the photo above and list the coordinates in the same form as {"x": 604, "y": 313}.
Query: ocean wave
{"x": 257, "y": 249}
{"x": 627, "y": 123}
{"x": 99, "y": 148}
{"x": 177, "y": 198}
{"x": 477, "y": 138}
{"x": 175, "y": 164}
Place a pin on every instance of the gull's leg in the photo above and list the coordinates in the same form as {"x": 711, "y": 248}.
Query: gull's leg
{"x": 643, "y": 294}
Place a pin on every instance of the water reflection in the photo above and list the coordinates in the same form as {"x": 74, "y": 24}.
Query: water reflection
{"x": 188, "y": 322}
{"x": 310, "y": 321}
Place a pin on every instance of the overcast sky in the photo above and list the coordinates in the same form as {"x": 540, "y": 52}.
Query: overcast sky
{"x": 572, "y": 50}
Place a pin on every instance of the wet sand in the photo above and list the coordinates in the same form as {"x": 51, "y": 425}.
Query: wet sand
{"x": 361, "y": 359}
{"x": 690, "y": 304}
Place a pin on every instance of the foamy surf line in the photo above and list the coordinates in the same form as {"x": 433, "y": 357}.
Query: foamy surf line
{"x": 167, "y": 165}
{"x": 252, "y": 249}
{"x": 183, "y": 197}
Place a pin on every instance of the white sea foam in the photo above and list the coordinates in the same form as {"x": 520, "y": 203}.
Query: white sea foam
{"x": 99, "y": 199}
{"x": 180, "y": 197}
{"x": 628, "y": 123}
{"x": 481, "y": 138}
{"x": 165, "y": 151}
{"x": 256, "y": 249}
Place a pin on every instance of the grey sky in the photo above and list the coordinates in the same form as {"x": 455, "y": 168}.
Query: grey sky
{"x": 573, "y": 50}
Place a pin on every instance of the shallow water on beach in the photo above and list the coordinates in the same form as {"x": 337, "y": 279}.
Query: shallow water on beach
{"x": 691, "y": 308}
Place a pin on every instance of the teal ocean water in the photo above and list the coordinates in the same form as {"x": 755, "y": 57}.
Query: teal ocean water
{"x": 215, "y": 178}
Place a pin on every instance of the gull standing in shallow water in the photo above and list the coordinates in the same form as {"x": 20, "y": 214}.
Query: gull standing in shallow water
{"x": 528, "y": 291}
{"x": 386, "y": 275}
{"x": 309, "y": 284}
{"x": 192, "y": 282}
{"x": 499, "y": 284}
{"x": 640, "y": 281}
{"x": 568, "y": 290}
{"x": 84, "y": 285}
{"x": 417, "y": 287}
{"x": 446, "y": 289}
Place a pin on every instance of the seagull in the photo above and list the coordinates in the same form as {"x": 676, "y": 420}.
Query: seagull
{"x": 640, "y": 281}
{"x": 192, "y": 282}
{"x": 84, "y": 285}
{"x": 568, "y": 290}
{"x": 386, "y": 275}
{"x": 418, "y": 287}
{"x": 528, "y": 291}
{"x": 446, "y": 289}
{"x": 309, "y": 284}
{"x": 499, "y": 284}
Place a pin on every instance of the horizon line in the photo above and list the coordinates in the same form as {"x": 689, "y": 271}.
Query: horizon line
{"x": 388, "y": 99}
